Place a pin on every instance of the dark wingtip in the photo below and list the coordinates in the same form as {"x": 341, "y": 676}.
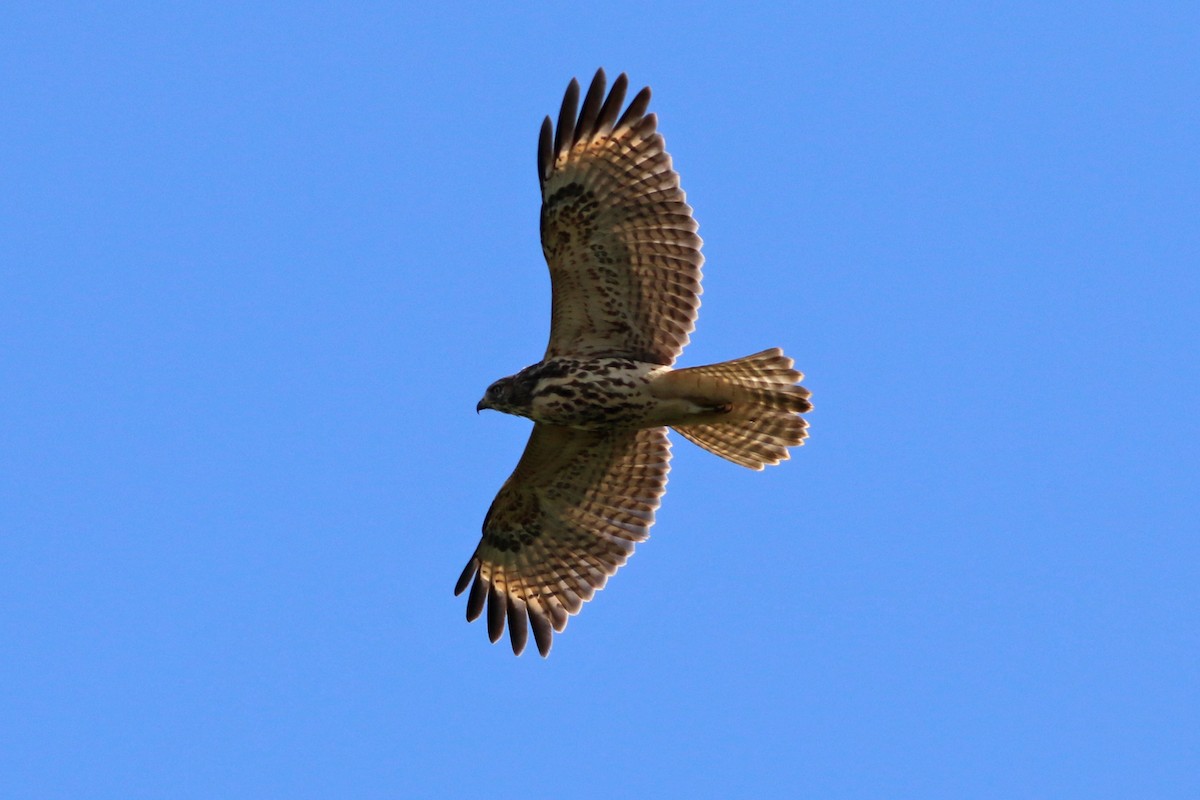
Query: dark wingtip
{"x": 464, "y": 580}
{"x": 584, "y": 128}
{"x": 518, "y": 625}
{"x": 637, "y": 109}
{"x": 543, "y": 632}
{"x": 497, "y": 609}
{"x": 612, "y": 106}
{"x": 545, "y": 149}
{"x": 598, "y": 117}
{"x": 475, "y": 600}
{"x": 566, "y": 118}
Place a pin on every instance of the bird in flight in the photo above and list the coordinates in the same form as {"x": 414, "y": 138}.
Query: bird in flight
{"x": 624, "y": 259}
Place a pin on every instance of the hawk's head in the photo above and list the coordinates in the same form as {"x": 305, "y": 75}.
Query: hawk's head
{"x": 512, "y": 395}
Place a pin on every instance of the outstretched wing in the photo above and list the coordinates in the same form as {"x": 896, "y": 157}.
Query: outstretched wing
{"x": 565, "y": 520}
{"x": 617, "y": 231}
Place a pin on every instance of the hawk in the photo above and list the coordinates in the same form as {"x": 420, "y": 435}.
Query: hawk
{"x": 624, "y": 260}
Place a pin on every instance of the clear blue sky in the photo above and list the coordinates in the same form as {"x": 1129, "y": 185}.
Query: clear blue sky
{"x": 258, "y": 265}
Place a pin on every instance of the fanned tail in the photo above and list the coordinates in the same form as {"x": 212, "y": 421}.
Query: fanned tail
{"x": 760, "y": 403}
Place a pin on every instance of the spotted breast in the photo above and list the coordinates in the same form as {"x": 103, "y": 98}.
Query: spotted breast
{"x": 594, "y": 393}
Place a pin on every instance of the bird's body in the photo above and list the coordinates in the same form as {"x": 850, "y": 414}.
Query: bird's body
{"x": 604, "y": 393}
{"x": 625, "y": 262}
{"x": 582, "y": 393}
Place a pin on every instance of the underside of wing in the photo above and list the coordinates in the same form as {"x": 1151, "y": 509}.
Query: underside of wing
{"x": 617, "y": 231}
{"x": 565, "y": 520}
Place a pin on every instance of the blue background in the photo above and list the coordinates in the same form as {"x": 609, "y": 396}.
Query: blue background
{"x": 258, "y": 264}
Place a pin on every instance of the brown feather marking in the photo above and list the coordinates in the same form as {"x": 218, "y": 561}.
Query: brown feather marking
{"x": 625, "y": 264}
{"x": 618, "y": 236}
{"x": 765, "y": 403}
{"x": 564, "y": 522}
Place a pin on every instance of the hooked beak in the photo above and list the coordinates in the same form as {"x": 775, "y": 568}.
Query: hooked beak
{"x": 482, "y": 405}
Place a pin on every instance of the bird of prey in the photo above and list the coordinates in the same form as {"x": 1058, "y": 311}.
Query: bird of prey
{"x": 624, "y": 260}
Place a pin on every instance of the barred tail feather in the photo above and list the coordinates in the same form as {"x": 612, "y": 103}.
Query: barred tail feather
{"x": 763, "y": 416}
